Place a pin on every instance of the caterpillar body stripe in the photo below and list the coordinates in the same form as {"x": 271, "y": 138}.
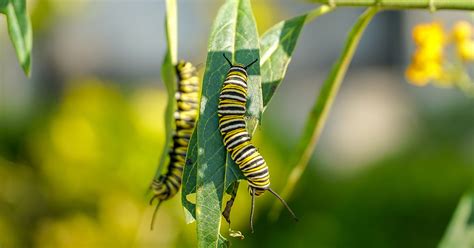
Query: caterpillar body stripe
{"x": 187, "y": 96}
{"x": 236, "y": 139}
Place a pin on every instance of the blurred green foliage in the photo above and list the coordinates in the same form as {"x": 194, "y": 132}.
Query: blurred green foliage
{"x": 405, "y": 200}
{"x": 460, "y": 232}
{"x": 76, "y": 174}
{"x": 89, "y": 163}
{"x": 80, "y": 176}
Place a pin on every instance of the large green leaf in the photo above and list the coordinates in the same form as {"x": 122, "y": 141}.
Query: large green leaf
{"x": 19, "y": 29}
{"x": 319, "y": 113}
{"x": 234, "y": 33}
{"x": 460, "y": 233}
{"x": 168, "y": 75}
{"x": 277, "y": 46}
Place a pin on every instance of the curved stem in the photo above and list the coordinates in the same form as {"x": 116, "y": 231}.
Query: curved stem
{"x": 312, "y": 15}
{"x": 318, "y": 116}
{"x": 404, "y": 4}
{"x": 168, "y": 76}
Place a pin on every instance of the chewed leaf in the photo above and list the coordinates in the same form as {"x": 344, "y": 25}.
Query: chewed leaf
{"x": 234, "y": 34}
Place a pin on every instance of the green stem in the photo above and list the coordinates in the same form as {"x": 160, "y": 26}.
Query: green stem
{"x": 318, "y": 116}
{"x": 404, "y": 4}
{"x": 172, "y": 29}
{"x": 168, "y": 76}
{"x": 312, "y": 15}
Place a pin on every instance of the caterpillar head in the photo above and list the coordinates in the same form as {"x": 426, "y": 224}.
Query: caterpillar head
{"x": 160, "y": 189}
{"x": 239, "y": 65}
{"x": 258, "y": 191}
{"x": 184, "y": 69}
{"x": 160, "y": 192}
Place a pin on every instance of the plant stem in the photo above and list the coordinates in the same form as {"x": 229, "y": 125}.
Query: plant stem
{"x": 312, "y": 15}
{"x": 404, "y": 4}
{"x": 168, "y": 76}
{"x": 318, "y": 116}
{"x": 172, "y": 29}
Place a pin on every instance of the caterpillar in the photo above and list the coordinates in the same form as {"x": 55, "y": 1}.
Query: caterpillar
{"x": 168, "y": 184}
{"x": 236, "y": 139}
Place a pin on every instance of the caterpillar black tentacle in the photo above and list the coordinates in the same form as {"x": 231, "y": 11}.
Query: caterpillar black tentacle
{"x": 168, "y": 184}
{"x": 231, "y": 112}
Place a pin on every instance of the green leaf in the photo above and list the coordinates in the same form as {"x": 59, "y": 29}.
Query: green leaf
{"x": 19, "y": 29}
{"x": 189, "y": 180}
{"x": 318, "y": 115}
{"x": 233, "y": 173}
{"x": 168, "y": 74}
{"x": 277, "y": 46}
{"x": 460, "y": 233}
{"x": 233, "y": 33}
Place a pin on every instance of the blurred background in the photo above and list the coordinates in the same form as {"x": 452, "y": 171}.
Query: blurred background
{"x": 80, "y": 139}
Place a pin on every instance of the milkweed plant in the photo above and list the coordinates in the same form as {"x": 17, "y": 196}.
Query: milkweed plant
{"x": 443, "y": 57}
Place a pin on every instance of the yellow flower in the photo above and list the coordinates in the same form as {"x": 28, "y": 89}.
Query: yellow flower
{"x": 427, "y": 60}
{"x": 465, "y": 50}
{"x": 433, "y": 70}
{"x": 428, "y": 33}
{"x": 416, "y": 76}
{"x": 462, "y": 31}
{"x": 427, "y": 54}
{"x": 428, "y": 63}
{"x": 421, "y": 74}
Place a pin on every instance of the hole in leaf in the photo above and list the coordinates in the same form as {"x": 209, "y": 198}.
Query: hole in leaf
{"x": 191, "y": 198}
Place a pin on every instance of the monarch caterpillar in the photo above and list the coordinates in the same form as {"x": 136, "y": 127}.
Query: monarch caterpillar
{"x": 231, "y": 111}
{"x": 167, "y": 185}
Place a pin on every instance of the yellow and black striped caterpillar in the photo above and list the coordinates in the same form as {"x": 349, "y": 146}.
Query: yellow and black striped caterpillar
{"x": 168, "y": 184}
{"x": 231, "y": 112}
